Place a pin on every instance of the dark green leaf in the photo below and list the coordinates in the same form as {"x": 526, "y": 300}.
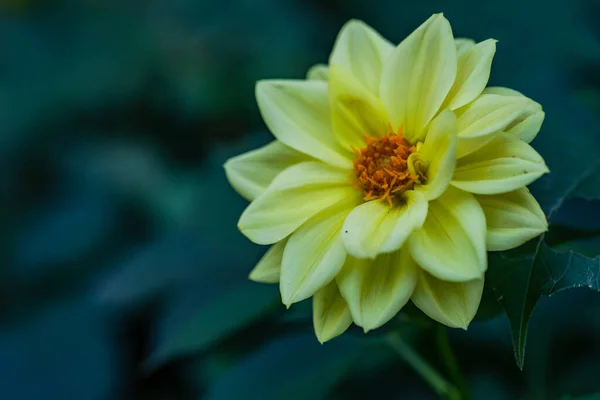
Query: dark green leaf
{"x": 520, "y": 282}
{"x": 589, "y": 246}
{"x": 594, "y": 396}
{"x": 294, "y": 368}
{"x": 207, "y": 312}
{"x": 62, "y": 231}
{"x": 589, "y": 189}
{"x": 61, "y": 352}
{"x": 579, "y": 214}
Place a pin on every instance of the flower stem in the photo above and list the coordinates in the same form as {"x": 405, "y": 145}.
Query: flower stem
{"x": 433, "y": 378}
{"x": 450, "y": 361}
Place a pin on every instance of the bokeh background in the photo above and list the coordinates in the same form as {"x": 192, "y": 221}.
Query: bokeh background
{"x": 123, "y": 275}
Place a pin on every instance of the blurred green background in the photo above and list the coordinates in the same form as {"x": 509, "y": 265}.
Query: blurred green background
{"x": 123, "y": 273}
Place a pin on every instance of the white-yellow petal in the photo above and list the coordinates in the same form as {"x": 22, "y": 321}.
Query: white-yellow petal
{"x": 251, "y": 173}
{"x": 489, "y": 114}
{"x": 463, "y": 44}
{"x": 331, "y": 316}
{"x": 502, "y": 91}
{"x": 268, "y": 268}
{"x": 527, "y": 127}
{"x": 295, "y": 195}
{"x": 451, "y": 243}
{"x": 313, "y": 256}
{"x": 438, "y": 155}
{"x": 529, "y": 123}
{"x": 355, "y": 111}
{"x": 318, "y": 72}
{"x": 512, "y": 219}
{"x": 361, "y": 51}
{"x": 374, "y": 227}
{"x": 473, "y": 71}
{"x": 376, "y": 290}
{"x": 504, "y": 164}
{"x": 297, "y": 113}
{"x": 418, "y": 75}
{"x": 453, "y": 304}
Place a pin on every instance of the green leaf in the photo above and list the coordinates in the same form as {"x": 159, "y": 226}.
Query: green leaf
{"x": 202, "y": 314}
{"x": 293, "y": 368}
{"x": 589, "y": 246}
{"x": 589, "y": 188}
{"x": 520, "y": 282}
{"x": 64, "y": 350}
{"x": 521, "y": 276}
{"x": 593, "y": 396}
{"x": 578, "y": 214}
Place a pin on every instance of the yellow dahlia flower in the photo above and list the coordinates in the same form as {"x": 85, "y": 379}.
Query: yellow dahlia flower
{"x": 394, "y": 169}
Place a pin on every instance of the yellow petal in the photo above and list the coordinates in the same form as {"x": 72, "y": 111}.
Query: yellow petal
{"x": 297, "y": 113}
{"x": 251, "y": 173}
{"x": 418, "y": 75}
{"x": 502, "y": 91}
{"x": 451, "y": 243}
{"x": 355, "y": 112}
{"x": 318, "y": 72}
{"x": 502, "y": 165}
{"x": 313, "y": 256}
{"x": 473, "y": 71}
{"x": 527, "y": 126}
{"x": 268, "y": 268}
{"x": 529, "y": 123}
{"x": 512, "y": 219}
{"x": 331, "y": 316}
{"x": 453, "y": 304}
{"x": 463, "y": 44}
{"x": 438, "y": 155}
{"x": 376, "y": 290}
{"x": 374, "y": 227}
{"x": 362, "y": 51}
{"x": 295, "y": 195}
{"x": 489, "y": 113}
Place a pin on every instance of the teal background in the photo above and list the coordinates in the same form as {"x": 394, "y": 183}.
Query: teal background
{"x": 123, "y": 275}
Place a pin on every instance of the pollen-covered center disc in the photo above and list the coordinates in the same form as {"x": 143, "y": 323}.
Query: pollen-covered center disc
{"x": 382, "y": 167}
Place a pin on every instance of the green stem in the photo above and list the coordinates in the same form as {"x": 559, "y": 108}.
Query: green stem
{"x": 450, "y": 361}
{"x": 433, "y": 378}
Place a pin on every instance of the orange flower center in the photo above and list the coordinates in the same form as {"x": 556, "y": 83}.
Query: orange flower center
{"x": 382, "y": 167}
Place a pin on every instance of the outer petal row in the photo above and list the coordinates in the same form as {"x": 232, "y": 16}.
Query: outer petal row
{"x": 251, "y": 173}
{"x": 297, "y": 113}
{"x": 453, "y": 304}
{"x": 373, "y": 293}
{"x": 331, "y": 316}
{"x": 528, "y": 124}
{"x": 376, "y": 290}
{"x": 474, "y": 64}
{"x": 362, "y": 51}
{"x": 512, "y": 219}
{"x": 313, "y": 256}
{"x": 504, "y": 164}
{"x": 268, "y": 269}
{"x": 488, "y": 115}
{"x": 296, "y": 194}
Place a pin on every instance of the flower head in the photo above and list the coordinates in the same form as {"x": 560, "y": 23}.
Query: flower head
{"x": 393, "y": 171}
